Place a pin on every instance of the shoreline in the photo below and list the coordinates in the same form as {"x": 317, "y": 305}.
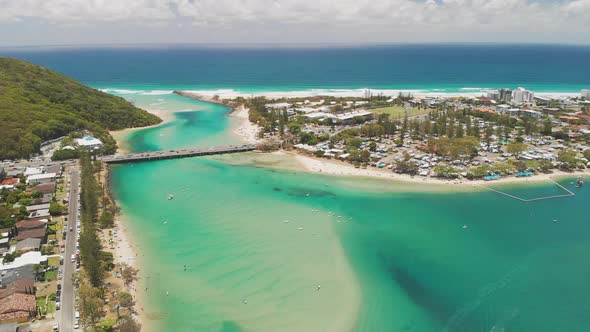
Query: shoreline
{"x": 246, "y": 130}
{"x": 121, "y": 135}
{"x": 339, "y": 168}
{"x": 124, "y": 250}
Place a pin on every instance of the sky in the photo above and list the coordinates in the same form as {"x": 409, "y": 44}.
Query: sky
{"x": 99, "y": 22}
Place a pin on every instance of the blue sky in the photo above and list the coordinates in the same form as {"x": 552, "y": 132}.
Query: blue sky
{"x": 90, "y": 22}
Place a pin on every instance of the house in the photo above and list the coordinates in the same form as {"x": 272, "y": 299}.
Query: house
{"x": 584, "y": 117}
{"x": 45, "y": 188}
{"x": 10, "y": 181}
{"x": 17, "y": 308}
{"x": 19, "y": 286}
{"x": 33, "y": 208}
{"x": 41, "y": 178}
{"x": 89, "y": 143}
{"x": 28, "y": 244}
{"x": 38, "y": 233}
{"x": 27, "y": 225}
{"x": 28, "y": 258}
{"x": 10, "y": 276}
{"x": 40, "y": 214}
{"x": 4, "y": 243}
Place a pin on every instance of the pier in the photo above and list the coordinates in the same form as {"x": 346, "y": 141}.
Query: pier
{"x": 569, "y": 193}
{"x": 175, "y": 154}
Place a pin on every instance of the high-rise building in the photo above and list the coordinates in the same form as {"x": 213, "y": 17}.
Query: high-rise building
{"x": 522, "y": 96}
{"x": 493, "y": 95}
{"x": 586, "y": 94}
{"x": 505, "y": 95}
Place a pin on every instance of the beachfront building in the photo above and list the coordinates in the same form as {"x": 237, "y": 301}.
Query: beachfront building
{"x": 493, "y": 95}
{"x": 586, "y": 94}
{"x": 89, "y": 143}
{"x": 522, "y": 96}
{"x": 505, "y": 95}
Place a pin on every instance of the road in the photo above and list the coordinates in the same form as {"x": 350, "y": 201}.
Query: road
{"x": 67, "y": 297}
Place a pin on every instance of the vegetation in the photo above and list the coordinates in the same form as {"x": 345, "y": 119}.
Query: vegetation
{"x": 37, "y": 104}
{"x": 398, "y": 112}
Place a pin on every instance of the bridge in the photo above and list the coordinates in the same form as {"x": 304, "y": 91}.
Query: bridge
{"x": 175, "y": 154}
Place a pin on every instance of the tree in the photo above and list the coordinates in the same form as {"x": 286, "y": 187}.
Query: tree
{"x": 547, "y": 127}
{"x": 91, "y": 305}
{"x": 56, "y": 209}
{"x": 125, "y": 300}
{"x": 568, "y": 160}
{"x": 128, "y": 272}
{"x": 587, "y": 154}
{"x": 106, "y": 219}
{"x": 128, "y": 324}
{"x": 516, "y": 148}
{"x": 408, "y": 167}
{"x": 372, "y": 146}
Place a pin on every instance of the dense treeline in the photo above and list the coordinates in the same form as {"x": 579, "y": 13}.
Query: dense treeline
{"x": 37, "y": 104}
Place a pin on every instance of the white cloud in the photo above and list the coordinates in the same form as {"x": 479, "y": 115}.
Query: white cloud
{"x": 378, "y": 17}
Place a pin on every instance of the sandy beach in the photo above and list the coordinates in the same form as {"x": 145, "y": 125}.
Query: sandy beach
{"x": 120, "y": 135}
{"x": 339, "y": 168}
{"x": 245, "y": 129}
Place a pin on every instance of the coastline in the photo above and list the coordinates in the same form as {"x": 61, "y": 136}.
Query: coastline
{"x": 124, "y": 250}
{"x": 340, "y": 168}
{"x": 121, "y": 135}
{"x": 245, "y": 129}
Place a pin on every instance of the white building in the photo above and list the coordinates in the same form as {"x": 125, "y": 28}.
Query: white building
{"x": 586, "y": 94}
{"x": 522, "y": 96}
{"x": 41, "y": 178}
{"x": 493, "y": 95}
{"x": 33, "y": 171}
{"x": 89, "y": 142}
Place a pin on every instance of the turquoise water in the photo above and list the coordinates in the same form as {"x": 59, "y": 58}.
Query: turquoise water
{"x": 386, "y": 259}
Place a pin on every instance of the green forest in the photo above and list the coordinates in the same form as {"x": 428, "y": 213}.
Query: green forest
{"x": 38, "y": 104}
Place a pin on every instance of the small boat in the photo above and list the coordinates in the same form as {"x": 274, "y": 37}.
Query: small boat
{"x": 170, "y": 196}
{"x": 300, "y": 228}
{"x": 165, "y": 222}
{"x": 580, "y": 182}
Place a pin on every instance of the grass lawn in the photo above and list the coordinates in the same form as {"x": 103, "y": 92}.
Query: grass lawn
{"x": 53, "y": 261}
{"x": 51, "y": 275}
{"x": 45, "y": 309}
{"x": 397, "y": 111}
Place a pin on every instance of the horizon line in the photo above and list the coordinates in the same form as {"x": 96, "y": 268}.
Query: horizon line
{"x": 269, "y": 45}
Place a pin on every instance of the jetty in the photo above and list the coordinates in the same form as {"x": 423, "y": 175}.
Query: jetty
{"x": 176, "y": 154}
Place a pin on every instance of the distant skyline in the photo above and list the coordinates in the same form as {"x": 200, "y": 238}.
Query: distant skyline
{"x": 284, "y": 22}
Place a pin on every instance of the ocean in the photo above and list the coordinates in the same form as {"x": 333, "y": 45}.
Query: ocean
{"x": 274, "y": 249}
{"x": 342, "y": 71}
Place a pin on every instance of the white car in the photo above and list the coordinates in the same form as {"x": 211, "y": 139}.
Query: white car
{"x": 55, "y": 327}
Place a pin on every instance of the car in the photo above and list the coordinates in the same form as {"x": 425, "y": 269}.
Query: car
{"x": 62, "y": 250}
{"x": 56, "y": 327}
{"x": 57, "y": 305}
{"x": 59, "y": 287}
{"x": 73, "y": 258}
{"x": 76, "y": 325}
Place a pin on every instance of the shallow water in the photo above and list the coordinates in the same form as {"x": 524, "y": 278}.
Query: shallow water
{"x": 386, "y": 260}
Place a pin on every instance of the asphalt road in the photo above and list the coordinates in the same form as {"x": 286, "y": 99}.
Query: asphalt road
{"x": 67, "y": 298}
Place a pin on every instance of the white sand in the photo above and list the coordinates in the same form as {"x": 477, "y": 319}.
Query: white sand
{"x": 245, "y": 129}
{"x": 334, "y": 167}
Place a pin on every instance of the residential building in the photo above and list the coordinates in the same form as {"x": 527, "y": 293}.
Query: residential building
{"x": 32, "y": 208}
{"x": 17, "y": 308}
{"x": 89, "y": 143}
{"x": 586, "y": 94}
{"x": 28, "y": 244}
{"x": 522, "y": 96}
{"x": 45, "y": 188}
{"x": 41, "y": 178}
{"x": 505, "y": 95}
{"x": 493, "y": 95}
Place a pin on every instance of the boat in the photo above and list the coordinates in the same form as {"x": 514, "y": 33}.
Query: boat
{"x": 580, "y": 182}
{"x": 170, "y": 196}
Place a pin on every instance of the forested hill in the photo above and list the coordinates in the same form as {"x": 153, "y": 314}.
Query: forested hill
{"x": 38, "y": 104}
